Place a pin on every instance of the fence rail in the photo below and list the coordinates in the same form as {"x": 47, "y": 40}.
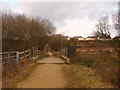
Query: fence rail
{"x": 18, "y": 55}
{"x": 64, "y": 54}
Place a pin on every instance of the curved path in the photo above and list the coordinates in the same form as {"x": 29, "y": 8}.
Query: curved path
{"x": 48, "y": 75}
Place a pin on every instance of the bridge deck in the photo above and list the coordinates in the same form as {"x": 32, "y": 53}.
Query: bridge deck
{"x": 52, "y": 60}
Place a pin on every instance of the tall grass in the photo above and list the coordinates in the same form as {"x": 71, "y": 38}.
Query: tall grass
{"x": 105, "y": 64}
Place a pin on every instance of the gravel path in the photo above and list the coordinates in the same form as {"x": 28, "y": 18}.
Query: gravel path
{"x": 51, "y": 60}
{"x": 46, "y": 76}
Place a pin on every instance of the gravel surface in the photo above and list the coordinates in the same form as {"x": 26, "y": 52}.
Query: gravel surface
{"x": 46, "y": 75}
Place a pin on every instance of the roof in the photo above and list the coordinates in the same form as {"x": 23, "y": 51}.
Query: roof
{"x": 78, "y": 37}
{"x": 116, "y": 37}
{"x": 91, "y": 37}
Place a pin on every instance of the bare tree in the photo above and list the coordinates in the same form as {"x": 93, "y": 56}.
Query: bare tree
{"x": 104, "y": 31}
{"x": 116, "y": 41}
{"x": 57, "y": 42}
{"x": 21, "y": 32}
{"x": 103, "y": 28}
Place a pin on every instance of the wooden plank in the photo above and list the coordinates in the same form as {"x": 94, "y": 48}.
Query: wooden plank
{"x": 21, "y": 52}
{"x": 22, "y": 58}
{"x": 6, "y": 52}
{"x": 27, "y": 51}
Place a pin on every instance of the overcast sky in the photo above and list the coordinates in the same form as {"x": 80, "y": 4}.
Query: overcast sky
{"x": 70, "y": 18}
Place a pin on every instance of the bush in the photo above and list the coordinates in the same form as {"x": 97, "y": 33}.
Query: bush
{"x": 100, "y": 51}
{"x": 82, "y": 61}
{"x": 56, "y": 54}
{"x": 108, "y": 72}
{"x": 107, "y": 51}
{"x": 43, "y": 55}
{"x": 105, "y": 65}
{"x": 75, "y": 59}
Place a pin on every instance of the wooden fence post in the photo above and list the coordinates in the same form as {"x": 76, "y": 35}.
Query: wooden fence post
{"x": 29, "y": 53}
{"x": 33, "y": 51}
{"x": 17, "y": 57}
{"x": 9, "y": 57}
{"x": 66, "y": 52}
{"x": 24, "y": 54}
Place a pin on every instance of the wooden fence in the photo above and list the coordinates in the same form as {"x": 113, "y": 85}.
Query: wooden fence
{"x": 18, "y": 55}
{"x": 64, "y": 54}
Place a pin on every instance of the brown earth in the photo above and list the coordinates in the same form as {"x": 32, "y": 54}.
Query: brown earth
{"x": 46, "y": 76}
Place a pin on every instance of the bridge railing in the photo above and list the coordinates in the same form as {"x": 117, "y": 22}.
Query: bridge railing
{"x": 16, "y": 55}
{"x": 15, "y": 62}
{"x": 64, "y": 54}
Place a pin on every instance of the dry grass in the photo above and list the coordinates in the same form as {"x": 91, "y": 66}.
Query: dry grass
{"x": 105, "y": 64}
{"x": 13, "y": 72}
{"x": 56, "y": 54}
{"x": 83, "y": 77}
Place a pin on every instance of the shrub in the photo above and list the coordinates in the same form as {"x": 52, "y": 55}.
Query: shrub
{"x": 108, "y": 72}
{"x": 107, "y": 51}
{"x": 75, "y": 59}
{"x": 100, "y": 51}
{"x": 56, "y": 54}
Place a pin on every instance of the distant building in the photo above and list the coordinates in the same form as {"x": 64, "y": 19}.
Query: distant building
{"x": 116, "y": 38}
{"x": 67, "y": 38}
{"x": 104, "y": 37}
{"x": 79, "y": 38}
{"x": 91, "y": 38}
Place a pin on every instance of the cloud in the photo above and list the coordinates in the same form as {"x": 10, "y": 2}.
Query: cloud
{"x": 77, "y": 27}
{"x": 73, "y": 18}
{"x": 60, "y": 11}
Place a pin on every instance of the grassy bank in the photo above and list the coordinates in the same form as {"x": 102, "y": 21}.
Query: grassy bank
{"x": 56, "y": 53}
{"x": 106, "y": 65}
{"x": 26, "y": 74}
{"x": 80, "y": 76}
{"x": 24, "y": 69}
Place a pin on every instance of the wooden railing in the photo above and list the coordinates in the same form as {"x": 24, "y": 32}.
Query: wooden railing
{"x": 18, "y": 55}
{"x": 64, "y": 55}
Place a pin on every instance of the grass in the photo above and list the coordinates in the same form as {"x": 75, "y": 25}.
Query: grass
{"x": 26, "y": 74}
{"x": 105, "y": 65}
{"x": 13, "y": 74}
{"x": 56, "y": 54}
{"x": 96, "y": 56}
{"x": 83, "y": 77}
{"x": 42, "y": 55}
{"x": 30, "y": 71}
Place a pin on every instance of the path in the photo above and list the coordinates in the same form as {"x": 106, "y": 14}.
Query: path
{"x": 46, "y": 75}
{"x": 52, "y": 60}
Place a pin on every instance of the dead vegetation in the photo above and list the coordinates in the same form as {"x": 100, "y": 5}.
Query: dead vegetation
{"x": 80, "y": 76}
{"x": 101, "y": 57}
{"x": 12, "y": 72}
